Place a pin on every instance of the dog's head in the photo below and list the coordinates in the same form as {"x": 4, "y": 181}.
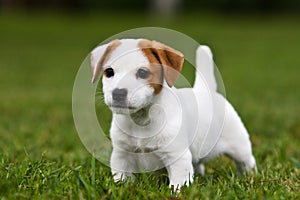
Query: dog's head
{"x": 134, "y": 71}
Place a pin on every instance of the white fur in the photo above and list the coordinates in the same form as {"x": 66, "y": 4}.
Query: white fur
{"x": 179, "y": 129}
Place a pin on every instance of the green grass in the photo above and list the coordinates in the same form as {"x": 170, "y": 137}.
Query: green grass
{"x": 41, "y": 156}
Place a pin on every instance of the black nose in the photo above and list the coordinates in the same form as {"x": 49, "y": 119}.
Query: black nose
{"x": 119, "y": 94}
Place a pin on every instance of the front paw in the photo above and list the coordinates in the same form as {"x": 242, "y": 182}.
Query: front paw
{"x": 121, "y": 176}
{"x": 177, "y": 182}
{"x": 181, "y": 172}
{"x": 176, "y": 186}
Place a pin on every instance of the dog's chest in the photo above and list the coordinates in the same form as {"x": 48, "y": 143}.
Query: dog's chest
{"x": 141, "y": 139}
{"x": 134, "y": 144}
{"x": 170, "y": 122}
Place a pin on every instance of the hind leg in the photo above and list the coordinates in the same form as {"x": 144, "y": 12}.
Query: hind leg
{"x": 236, "y": 144}
{"x": 241, "y": 152}
{"x": 244, "y": 163}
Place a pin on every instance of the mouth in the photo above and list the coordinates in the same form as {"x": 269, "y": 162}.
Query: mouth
{"x": 123, "y": 106}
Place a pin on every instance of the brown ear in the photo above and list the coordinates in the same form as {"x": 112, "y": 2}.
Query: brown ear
{"x": 100, "y": 56}
{"x": 170, "y": 59}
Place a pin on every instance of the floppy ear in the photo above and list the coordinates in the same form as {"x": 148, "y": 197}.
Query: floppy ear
{"x": 99, "y": 56}
{"x": 170, "y": 59}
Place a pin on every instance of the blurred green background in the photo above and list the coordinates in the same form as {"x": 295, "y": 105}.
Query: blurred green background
{"x": 42, "y": 44}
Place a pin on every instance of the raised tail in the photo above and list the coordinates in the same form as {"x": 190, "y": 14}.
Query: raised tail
{"x": 205, "y": 76}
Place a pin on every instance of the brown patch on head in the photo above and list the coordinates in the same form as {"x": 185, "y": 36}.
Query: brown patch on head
{"x": 164, "y": 62}
{"x": 104, "y": 58}
{"x": 171, "y": 61}
{"x": 156, "y": 78}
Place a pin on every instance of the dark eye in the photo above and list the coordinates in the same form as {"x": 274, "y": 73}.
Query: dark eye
{"x": 143, "y": 73}
{"x": 109, "y": 72}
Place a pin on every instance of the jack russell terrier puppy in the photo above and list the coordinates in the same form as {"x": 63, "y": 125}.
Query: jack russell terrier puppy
{"x": 156, "y": 125}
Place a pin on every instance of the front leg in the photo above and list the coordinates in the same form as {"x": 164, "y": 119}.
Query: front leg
{"x": 122, "y": 165}
{"x": 181, "y": 170}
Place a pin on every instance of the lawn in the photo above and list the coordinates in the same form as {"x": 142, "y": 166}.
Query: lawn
{"x": 41, "y": 156}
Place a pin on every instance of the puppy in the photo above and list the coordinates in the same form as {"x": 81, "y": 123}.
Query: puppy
{"x": 155, "y": 125}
